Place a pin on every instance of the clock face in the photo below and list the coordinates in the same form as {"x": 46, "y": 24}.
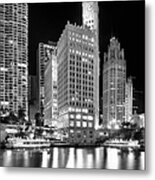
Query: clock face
{"x": 90, "y": 7}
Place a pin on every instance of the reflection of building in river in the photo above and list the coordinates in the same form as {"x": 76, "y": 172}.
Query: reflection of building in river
{"x": 60, "y": 157}
{"x": 100, "y": 158}
{"x": 87, "y": 158}
{"x": 113, "y": 159}
{"x": 45, "y": 159}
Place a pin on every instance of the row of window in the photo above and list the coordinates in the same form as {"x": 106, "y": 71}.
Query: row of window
{"x": 79, "y": 35}
{"x": 82, "y": 64}
{"x": 81, "y": 104}
{"x": 81, "y": 124}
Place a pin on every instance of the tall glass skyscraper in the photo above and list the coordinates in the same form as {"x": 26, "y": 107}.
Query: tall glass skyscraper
{"x": 14, "y": 56}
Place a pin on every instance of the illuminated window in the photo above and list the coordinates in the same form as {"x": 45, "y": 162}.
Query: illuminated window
{"x": 71, "y": 116}
{"x": 84, "y": 124}
{"x": 89, "y": 72}
{"x": 78, "y": 110}
{"x": 90, "y": 118}
{"x": 78, "y": 123}
{"x": 90, "y": 124}
{"x": 78, "y": 116}
{"x": 73, "y": 99}
{"x": 71, "y": 131}
{"x": 85, "y": 110}
{"x": 71, "y": 123}
{"x": 92, "y": 39}
{"x": 84, "y": 117}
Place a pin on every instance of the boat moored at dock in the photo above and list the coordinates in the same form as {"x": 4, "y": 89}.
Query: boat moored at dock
{"x": 27, "y": 143}
{"x": 121, "y": 143}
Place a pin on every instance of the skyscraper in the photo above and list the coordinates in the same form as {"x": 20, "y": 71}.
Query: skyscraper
{"x": 14, "y": 56}
{"x": 77, "y": 87}
{"x": 114, "y": 80}
{"x": 128, "y": 99}
{"x": 138, "y": 102}
{"x": 51, "y": 102}
{"x": 32, "y": 96}
{"x": 44, "y": 54}
{"x": 90, "y": 13}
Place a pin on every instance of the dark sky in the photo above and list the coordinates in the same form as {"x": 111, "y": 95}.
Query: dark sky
{"x": 124, "y": 20}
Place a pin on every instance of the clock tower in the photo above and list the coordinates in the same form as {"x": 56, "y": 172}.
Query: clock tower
{"x": 90, "y": 12}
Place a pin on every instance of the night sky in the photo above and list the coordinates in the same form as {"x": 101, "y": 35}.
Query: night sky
{"x": 122, "y": 19}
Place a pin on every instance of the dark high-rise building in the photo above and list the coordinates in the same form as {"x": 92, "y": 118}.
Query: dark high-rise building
{"x": 32, "y": 87}
{"x": 44, "y": 54}
{"x": 32, "y": 96}
{"x": 14, "y": 57}
{"x": 77, "y": 54}
{"x": 114, "y": 80}
{"x": 138, "y": 102}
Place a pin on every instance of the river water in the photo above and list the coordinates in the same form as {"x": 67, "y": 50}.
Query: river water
{"x": 100, "y": 158}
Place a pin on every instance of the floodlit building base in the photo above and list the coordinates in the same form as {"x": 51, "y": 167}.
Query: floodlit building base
{"x": 82, "y": 137}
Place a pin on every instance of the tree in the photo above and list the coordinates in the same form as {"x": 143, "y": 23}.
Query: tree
{"x": 12, "y": 118}
{"x": 4, "y": 112}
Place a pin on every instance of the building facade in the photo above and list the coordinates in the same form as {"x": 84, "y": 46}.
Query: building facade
{"x": 51, "y": 102}
{"x": 14, "y": 57}
{"x": 114, "y": 80}
{"x": 138, "y": 102}
{"x": 32, "y": 96}
{"x": 128, "y": 99}
{"x": 32, "y": 87}
{"x": 77, "y": 87}
{"x": 90, "y": 18}
{"x": 44, "y": 54}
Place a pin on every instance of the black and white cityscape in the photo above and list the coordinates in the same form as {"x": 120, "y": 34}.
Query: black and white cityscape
{"x": 72, "y": 85}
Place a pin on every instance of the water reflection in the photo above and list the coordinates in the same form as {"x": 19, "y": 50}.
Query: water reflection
{"x": 101, "y": 158}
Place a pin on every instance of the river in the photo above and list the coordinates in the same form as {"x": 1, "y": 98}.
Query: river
{"x": 99, "y": 157}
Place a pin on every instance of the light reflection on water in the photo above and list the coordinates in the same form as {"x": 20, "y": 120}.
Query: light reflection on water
{"x": 101, "y": 158}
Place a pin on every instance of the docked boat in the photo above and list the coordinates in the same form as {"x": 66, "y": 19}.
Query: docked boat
{"x": 121, "y": 143}
{"x": 60, "y": 144}
{"x": 27, "y": 143}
